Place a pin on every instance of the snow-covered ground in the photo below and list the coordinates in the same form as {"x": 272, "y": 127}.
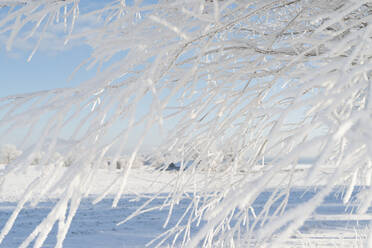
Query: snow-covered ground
{"x": 148, "y": 180}
{"x": 93, "y": 226}
{"x": 96, "y": 225}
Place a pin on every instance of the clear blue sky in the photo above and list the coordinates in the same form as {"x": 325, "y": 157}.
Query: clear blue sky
{"x": 44, "y": 71}
{"x": 52, "y": 64}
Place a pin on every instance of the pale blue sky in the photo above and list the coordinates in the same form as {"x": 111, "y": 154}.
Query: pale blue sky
{"x": 52, "y": 64}
{"x": 44, "y": 71}
{"x": 47, "y": 70}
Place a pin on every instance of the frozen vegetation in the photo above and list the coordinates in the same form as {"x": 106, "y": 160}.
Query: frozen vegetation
{"x": 239, "y": 93}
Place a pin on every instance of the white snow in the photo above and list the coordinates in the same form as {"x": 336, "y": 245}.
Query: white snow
{"x": 96, "y": 225}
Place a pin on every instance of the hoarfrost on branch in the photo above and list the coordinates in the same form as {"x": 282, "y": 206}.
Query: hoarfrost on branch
{"x": 230, "y": 83}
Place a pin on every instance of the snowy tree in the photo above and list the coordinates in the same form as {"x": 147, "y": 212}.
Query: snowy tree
{"x": 8, "y": 153}
{"x": 266, "y": 78}
{"x": 57, "y": 158}
{"x": 39, "y": 158}
{"x": 68, "y": 161}
{"x": 36, "y": 158}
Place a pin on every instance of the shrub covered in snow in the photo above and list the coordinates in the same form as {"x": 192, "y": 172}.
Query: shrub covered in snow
{"x": 8, "y": 153}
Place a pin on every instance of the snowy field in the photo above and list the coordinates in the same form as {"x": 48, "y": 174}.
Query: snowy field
{"x": 95, "y": 226}
{"x": 332, "y": 225}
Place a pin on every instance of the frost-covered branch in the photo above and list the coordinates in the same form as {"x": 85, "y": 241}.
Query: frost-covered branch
{"x": 228, "y": 83}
